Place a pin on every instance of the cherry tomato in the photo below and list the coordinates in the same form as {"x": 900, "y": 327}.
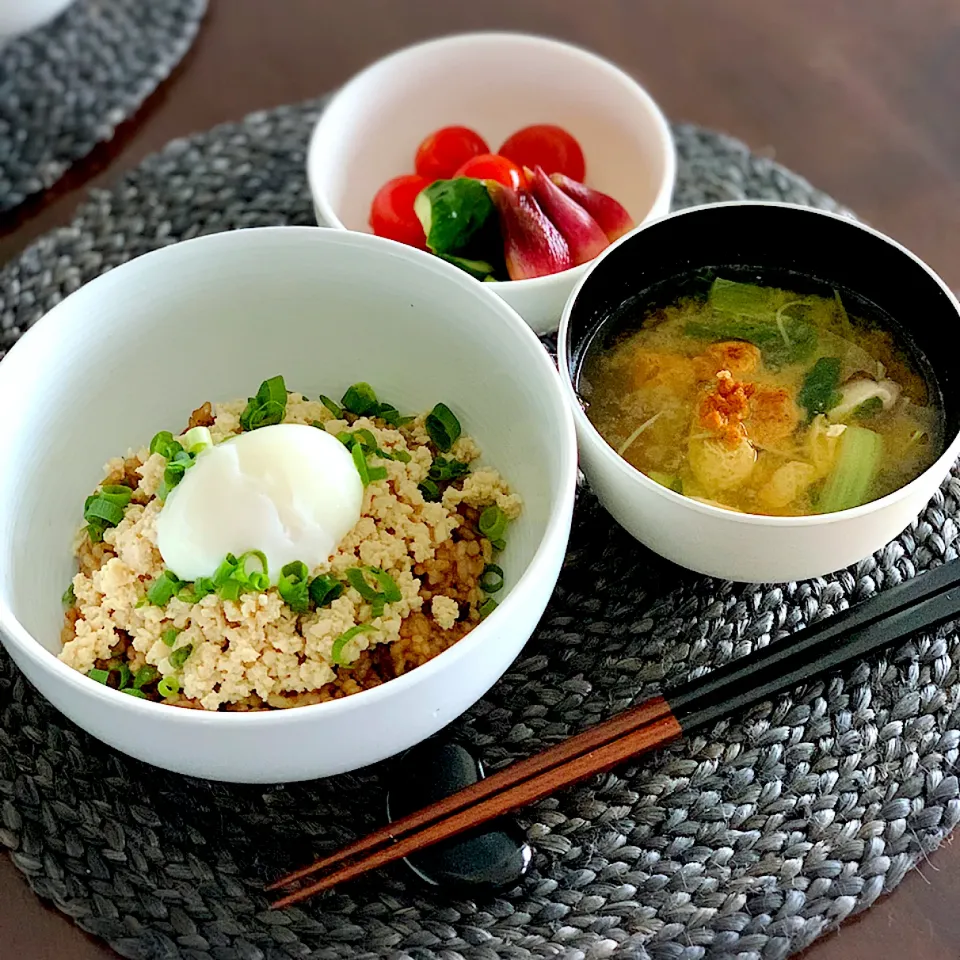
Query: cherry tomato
{"x": 391, "y": 213}
{"x": 444, "y": 152}
{"x": 548, "y": 146}
{"x": 489, "y": 166}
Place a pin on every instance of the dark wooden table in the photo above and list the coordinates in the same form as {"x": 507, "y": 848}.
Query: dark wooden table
{"x": 863, "y": 99}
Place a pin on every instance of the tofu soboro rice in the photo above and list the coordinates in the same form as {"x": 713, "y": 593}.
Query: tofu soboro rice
{"x": 413, "y": 576}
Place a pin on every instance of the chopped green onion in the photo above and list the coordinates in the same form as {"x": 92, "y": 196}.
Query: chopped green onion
{"x": 444, "y": 469}
{"x": 197, "y": 439}
{"x": 168, "y": 687}
{"x": 101, "y": 676}
{"x": 443, "y": 427}
{"x": 293, "y": 587}
{"x": 196, "y": 591}
{"x": 376, "y": 473}
{"x": 429, "y": 490}
{"x": 134, "y": 692}
{"x": 378, "y": 605}
{"x": 494, "y": 585}
{"x": 357, "y": 580}
{"x": 388, "y": 586}
{"x": 169, "y": 636}
{"x": 498, "y": 544}
{"x": 493, "y": 523}
{"x": 105, "y": 509}
{"x": 487, "y": 607}
{"x": 336, "y": 652}
{"x": 230, "y": 590}
{"x": 258, "y": 581}
{"x": 360, "y": 399}
{"x": 145, "y": 675}
{"x": 324, "y": 589}
{"x": 360, "y": 462}
{"x": 391, "y": 415}
{"x": 242, "y": 563}
{"x": 163, "y": 589}
{"x": 401, "y": 455}
{"x": 267, "y": 407}
{"x": 179, "y": 656}
{"x": 332, "y": 406}
{"x": 366, "y": 439}
{"x": 164, "y": 444}
{"x": 124, "y": 680}
{"x": 225, "y": 571}
{"x": 858, "y": 460}
{"x": 69, "y": 597}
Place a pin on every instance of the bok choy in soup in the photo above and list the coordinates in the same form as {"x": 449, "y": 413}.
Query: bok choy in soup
{"x": 764, "y": 400}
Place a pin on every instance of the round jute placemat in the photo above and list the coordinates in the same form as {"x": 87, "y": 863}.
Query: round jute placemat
{"x": 747, "y": 842}
{"x": 68, "y": 85}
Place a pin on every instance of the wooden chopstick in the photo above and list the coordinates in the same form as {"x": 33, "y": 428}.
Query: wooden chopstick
{"x": 921, "y": 603}
{"x": 597, "y": 736}
{"x": 658, "y": 731}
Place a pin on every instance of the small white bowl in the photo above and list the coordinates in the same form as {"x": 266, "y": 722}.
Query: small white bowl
{"x": 767, "y": 237}
{"x": 135, "y": 350}
{"x": 495, "y": 83}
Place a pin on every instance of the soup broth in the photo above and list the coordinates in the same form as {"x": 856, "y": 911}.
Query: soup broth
{"x": 763, "y": 399}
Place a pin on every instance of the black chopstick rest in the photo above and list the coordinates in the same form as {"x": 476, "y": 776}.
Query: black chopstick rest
{"x": 490, "y": 860}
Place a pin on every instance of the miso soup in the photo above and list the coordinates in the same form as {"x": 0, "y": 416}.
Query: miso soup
{"x": 762, "y": 399}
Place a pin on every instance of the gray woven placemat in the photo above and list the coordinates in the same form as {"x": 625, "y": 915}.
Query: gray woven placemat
{"x": 68, "y": 85}
{"x": 749, "y": 842}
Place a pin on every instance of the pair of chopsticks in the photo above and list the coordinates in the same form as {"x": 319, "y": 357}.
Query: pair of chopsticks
{"x": 925, "y": 602}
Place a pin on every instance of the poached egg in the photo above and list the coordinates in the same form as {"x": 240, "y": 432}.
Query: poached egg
{"x": 289, "y": 490}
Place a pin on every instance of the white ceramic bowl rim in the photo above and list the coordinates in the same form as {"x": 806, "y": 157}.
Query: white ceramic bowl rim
{"x": 518, "y": 38}
{"x": 940, "y": 467}
{"x": 553, "y": 533}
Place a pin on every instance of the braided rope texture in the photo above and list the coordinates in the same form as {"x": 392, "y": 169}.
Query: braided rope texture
{"x": 748, "y": 842}
{"x": 68, "y": 85}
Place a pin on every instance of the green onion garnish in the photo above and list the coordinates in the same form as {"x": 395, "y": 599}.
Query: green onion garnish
{"x": 168, "y": 687}
{"x": 163, "y": 589}
{"x": 360, "y": 462}
{"x": 197, "y": 439}
{"x": 169, "y": 636}
{"x": 493, "y": 523}
{"x": 337, "y": 650}
{"x": 196, "y": 591}
{"x": 443, "y": 427}
{"x": 259, "y": 556}
{"x": 332, "y": 406}
{"x": 324, "y": 589}
{"x": 357, "y": 580}
{"x": 105, "y": 509}
{"x": 145, "y": 675}
{"x": 125, "y": 675}
{"x": 179, "y": 656}
{"x": 391, "y": 415}
{"x": 491, "y": 580}
{"x": 134, "y": 692}
{"x": 258, "y": 581}
{"x": 360, "y": 399}
{"x": 430, "y": 490}
{"x": 101, "y": 676}
{"x": 487, "y": 607}
{"x": 267, "y": 407}
{"x": 164, "y": 444}
{"x": 376, "y": 473}
{"x": 498, "y": 544}
{"x": 293, "y": 587}
{"x": 69, "y": 598}
{"x": 230, "y": 590}
{"x": 388, "y": 586}
{"x": 445, "y": 469}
